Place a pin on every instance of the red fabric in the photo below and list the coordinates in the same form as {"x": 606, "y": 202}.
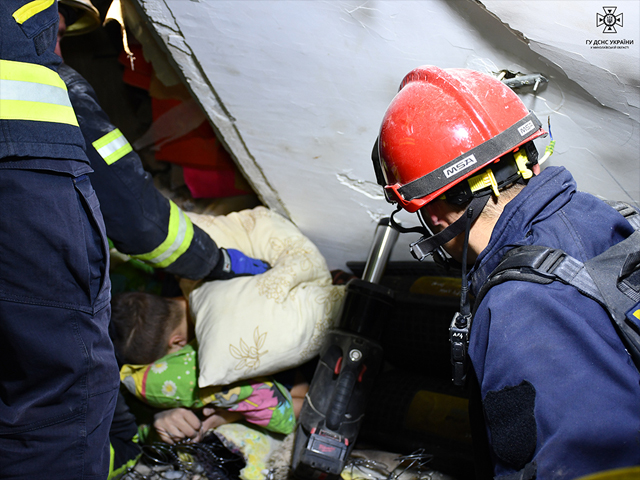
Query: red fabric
{"x": 209, "y": 171}
{"x": 211, "y": 183}
{"x": 141, "y": 76}
{"x": 198, "y": 148}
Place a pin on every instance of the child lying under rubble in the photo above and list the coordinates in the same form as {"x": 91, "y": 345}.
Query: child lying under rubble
{"x": 153, "y": 338}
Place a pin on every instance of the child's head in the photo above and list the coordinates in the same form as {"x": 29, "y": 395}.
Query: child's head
{"x": 145, "y": 327}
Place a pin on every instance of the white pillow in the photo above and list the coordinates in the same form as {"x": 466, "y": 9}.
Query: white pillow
{"x": 262, "y": 324}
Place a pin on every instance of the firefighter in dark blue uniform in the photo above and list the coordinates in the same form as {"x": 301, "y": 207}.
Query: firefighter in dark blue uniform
{"x": 139, "y": 220}
{"x": 59, "y": 377}
{"x": 553, "y": 391}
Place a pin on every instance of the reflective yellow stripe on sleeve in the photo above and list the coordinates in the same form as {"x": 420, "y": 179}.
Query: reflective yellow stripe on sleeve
{"x": 113, "y": 146}
{"x": 33, "y": 92}
{"x": 177, "y": 242}
{"x": 27, "y": 11}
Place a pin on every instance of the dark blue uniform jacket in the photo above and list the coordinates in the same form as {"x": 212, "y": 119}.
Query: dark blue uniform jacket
{"x": 560, "y": 393}
{"x": 41, "y": 145}
{"x": 139, "y": 219}
{"x": 59, "y": 378}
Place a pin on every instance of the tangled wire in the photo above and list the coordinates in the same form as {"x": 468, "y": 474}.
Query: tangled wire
{"x": 414, "y": 464}
{"x": 208, "y": 459}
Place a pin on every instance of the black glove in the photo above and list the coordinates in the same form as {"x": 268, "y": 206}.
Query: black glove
{"x": 234, "y": 263}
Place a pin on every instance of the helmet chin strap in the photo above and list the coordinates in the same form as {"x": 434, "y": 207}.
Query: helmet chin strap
{"x": 429, "y": 244}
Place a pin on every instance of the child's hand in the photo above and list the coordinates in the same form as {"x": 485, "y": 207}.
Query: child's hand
{"x": 215, "y": 418}
{"x": 176, "y": 425}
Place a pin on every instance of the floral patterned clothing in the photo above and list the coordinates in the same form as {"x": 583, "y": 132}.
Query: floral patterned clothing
{"x": 172, "y": 382}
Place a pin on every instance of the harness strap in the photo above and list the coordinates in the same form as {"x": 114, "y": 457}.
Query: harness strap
{"x": 627, "y": 211}
{"x": 549, "y": 264}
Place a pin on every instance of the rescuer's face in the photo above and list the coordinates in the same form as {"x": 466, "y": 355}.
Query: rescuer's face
{"x": 62, "y": 28}
{"x": 439, "y": 214}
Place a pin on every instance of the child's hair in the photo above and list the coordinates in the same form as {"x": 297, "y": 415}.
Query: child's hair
{"x": 141, "y": 324}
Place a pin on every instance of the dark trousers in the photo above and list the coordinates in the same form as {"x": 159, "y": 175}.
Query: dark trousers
{"x": 58, "y": 374}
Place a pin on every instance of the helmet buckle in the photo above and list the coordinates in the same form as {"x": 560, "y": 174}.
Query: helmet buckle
{"x": 522, "y": 162}
{"x": 484, "y": 180}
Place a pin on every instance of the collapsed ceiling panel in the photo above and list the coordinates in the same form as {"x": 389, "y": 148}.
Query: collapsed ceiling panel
{"x": 297, "y": 90}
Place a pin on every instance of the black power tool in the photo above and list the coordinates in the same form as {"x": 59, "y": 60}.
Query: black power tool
{"x": 350, "y": 360}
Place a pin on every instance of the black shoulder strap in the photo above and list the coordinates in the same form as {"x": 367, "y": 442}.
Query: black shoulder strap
{"x": 538, "y": 264}
{"x": 627, "y": 211}
{"x": 616, "y": 274}
{"x": 611, "y": 278}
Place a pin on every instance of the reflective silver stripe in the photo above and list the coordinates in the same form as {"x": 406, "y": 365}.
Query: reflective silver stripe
{"x": 177, "y": 242}
{"x": 179, "y": 235}
{"x": 33, "y": 92}
{"x": 112, "y": 147}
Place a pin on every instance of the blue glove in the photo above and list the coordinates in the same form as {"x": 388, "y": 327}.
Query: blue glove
{"x": 234, "y": 263}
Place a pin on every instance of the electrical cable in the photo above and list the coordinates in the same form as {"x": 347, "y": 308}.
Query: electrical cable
{"x": 548, "y": 151}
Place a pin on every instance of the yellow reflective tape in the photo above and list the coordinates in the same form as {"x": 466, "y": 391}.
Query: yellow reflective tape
{"x": 107, "y": 139}
{"x": 30, "y": 72}
{"x": 118, "y": 154}
{"x": 637, "y": 314}
{"x": 37, "y": 112}
{"x": 27, "y": 11}
{"x": 33, "y": 92}
{"x": 112, "y": 457}
{"x": 179, "y": 236}
{"x": 113, "y": 146}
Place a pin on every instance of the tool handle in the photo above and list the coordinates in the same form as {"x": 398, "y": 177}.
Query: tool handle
{"x": 341, "y": 397}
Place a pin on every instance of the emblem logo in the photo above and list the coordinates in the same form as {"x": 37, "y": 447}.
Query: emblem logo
{"x": 610, "y": 20}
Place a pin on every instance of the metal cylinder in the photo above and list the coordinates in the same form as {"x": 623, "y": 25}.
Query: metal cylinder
{"x": 381, "y": 248}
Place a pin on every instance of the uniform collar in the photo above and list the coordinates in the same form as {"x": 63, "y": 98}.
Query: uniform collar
{"x": 544, "y": 195}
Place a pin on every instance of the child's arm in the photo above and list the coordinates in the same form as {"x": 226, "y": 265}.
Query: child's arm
{"x": 216, "y": 417}
{"x": 260, "y": 401}
{"x": 298, "y": 392}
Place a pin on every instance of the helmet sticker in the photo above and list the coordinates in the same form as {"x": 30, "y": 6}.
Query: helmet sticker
{"x": 459, "y": 166}
{"x": 526, "y": 128}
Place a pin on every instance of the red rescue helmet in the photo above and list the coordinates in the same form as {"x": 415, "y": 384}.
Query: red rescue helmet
{"x": 444, "y": 125}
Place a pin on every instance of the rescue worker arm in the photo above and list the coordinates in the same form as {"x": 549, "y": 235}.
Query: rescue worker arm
{"x": 234, "y": 263}
{"x": 544, "y": 355}
{"x": 140, "y": 221}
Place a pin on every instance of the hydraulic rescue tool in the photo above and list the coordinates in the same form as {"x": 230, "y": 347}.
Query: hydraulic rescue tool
{"x": 350, "y": 359}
